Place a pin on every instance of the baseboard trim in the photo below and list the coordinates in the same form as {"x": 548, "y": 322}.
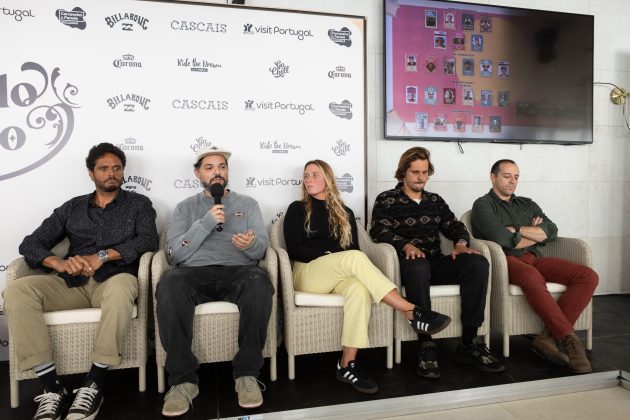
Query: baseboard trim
{"x": 455, "y": 399}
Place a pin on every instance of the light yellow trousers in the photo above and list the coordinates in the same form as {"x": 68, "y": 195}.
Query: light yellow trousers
{"x": 351, "y": 274}
{"x": 26, "y": 300}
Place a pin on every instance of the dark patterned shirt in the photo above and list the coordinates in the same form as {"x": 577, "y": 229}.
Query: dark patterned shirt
{"x": 127, "y": 225}
{"x": 399, "y": 220}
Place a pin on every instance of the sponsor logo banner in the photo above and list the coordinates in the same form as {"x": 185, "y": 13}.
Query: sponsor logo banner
{"x": 276, "y": 146}
{"x": 197, "y": 65}
{"x": 18, "y": 14}
{"x": 74, "y": 18}
{"x": 210, "y": 27}
{"x": 339, "y": 72}
{"x": 341, "y": 37}
{"x": 342, "y": 110}
{"x": 254, "y": 182}
{"x": 300, "y": 34}
{"x": 341, "y": 148}
{"x": 130, "y": 144}
{"x": 136, "y": 183}
{"x": 344, "y": 183}
{"x": 48, "y": 109}
{"x": 187, "y": 183}
{"x": 200, "y": 104}
{"x": 129, "y": 102}
{"x": 128, "y": 21}
{"x": 127, "y": 61}
{"x": 279, "y": 69}
{"x": 251, "y": 105}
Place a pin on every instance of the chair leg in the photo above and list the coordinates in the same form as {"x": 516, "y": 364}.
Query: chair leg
{"x": 291, "y": 358}
{"x": 160, "y": 378}
{"x": 390, "y": 357}
{"x": 397, "y": 345}
{"x": 273, "y": 370}
{"x": 486, "y": 338}
{"x": 15, "y": 394}
{"x": 506, "y": 345}
{"x": 589, "y": 338}
{"x": 142, "y": 378}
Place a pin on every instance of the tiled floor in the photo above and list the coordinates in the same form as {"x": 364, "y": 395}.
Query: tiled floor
{"x": 315, "y": 384}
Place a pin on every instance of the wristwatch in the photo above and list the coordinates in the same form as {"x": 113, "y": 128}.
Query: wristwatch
{"x": 102, "y": 255}
{"x": 463, "y": 241}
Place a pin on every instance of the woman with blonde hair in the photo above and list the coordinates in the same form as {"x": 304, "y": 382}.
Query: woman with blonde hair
{"x": 321, "y": 237}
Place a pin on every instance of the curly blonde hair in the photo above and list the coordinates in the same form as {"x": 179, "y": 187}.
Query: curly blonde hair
{"x": 337, "y": 215}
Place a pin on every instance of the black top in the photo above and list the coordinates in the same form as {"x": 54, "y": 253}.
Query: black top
{"x": 399, "y": 220}
{"x": 305, "y": 248}
{"x": 127, "y": 225}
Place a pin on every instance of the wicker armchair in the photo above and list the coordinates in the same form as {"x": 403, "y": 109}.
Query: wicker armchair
{"x": 511, "y": 313}
{"x": 444, "y": 299}
{"x": 215, "y": 329}
{"x": 313, "y": 321}
{"x": 72, "y": 332}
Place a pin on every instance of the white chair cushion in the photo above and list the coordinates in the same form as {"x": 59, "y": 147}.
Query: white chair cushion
{"x": 78, "y": 316}
{"x": 215, "y": 308}
{"x": 318, "y": 299}
{"x": 444, "y": 290}
{"x": 552, "y": 287}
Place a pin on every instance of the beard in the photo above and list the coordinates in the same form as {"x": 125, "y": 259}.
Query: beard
{"x": 207, "y": 184}
{"x": 107, "y": 186}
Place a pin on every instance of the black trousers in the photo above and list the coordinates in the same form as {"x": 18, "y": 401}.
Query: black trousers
{"x": 182, "y": 288}
{"x": 470, "y": 271}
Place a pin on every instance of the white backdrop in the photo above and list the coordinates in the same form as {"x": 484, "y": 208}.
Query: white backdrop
{"x": 160, "y": 80}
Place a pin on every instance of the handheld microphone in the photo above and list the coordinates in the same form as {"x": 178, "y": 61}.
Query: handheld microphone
{"x": 217, "y": 190}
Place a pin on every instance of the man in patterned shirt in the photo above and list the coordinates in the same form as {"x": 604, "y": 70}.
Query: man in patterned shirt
{"x": 411, "y": 218}
{"x": 108, "y": 231}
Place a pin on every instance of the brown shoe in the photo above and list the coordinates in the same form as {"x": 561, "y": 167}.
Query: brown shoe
{"x": 545, "y": 346}
{"x": 572, "y": 347}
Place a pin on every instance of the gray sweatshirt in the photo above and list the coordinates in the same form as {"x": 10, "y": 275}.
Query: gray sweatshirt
{"x": 192, "y": 239}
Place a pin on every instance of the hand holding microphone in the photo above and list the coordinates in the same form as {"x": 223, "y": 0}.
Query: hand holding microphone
{"x": 217, "y": 190}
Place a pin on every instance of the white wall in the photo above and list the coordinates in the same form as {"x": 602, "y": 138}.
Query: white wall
{"x": 584, "y": 189}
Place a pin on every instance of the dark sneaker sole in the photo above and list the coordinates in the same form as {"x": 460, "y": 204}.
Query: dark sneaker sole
{"x": 481, "y": 367}
{"x": 557, "y": 361}
{"x": 372, "y": 390}
{"x": 429, "y": 374}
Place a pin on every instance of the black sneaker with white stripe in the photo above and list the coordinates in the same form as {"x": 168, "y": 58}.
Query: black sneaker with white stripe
{"x": 356, "y": 376}
{"x": 428, "y": 322}
{"x": 52, "y": 405}
{"x": 86, "y": 403}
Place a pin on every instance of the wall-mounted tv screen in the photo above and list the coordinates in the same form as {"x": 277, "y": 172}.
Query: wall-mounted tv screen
{"x": 471, "y": 72}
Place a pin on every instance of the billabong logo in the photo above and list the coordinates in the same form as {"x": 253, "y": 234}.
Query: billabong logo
{"x": 129, "y": 101}
{"x": 200, "y": 104}
{"x": 277, "y": 146}
{"x": 344, "y": 183}
{"x": 46, "y": 103}
{"x": 74, "y": 18}
{"x": 185, "y": 25}
{"x": 199, "y": 143}
{"x": 341, "y": 37}
{"x": 127, "y": 21}
{"x": 127, "y": 61}
{"x": 247, "y": 29}
{"x": 342, "y": 110}
{"x": 130, "y": 144}
{"x": 197, "y": 65}
{"x": 279, "y": 69}
{"x": 18, "y": 14}
{"x": 134, "y": 182}
{"x": 339, "y": 71}
{"x": 341, "y": 148}
{"x": 249, "y": 105}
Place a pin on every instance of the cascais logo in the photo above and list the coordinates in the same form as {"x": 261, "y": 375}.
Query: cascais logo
{"x": 200, "y": 104}
{"x": 279, "y": 69}
{"x": 251, "y": 105}
{"x": 339, "y": 71}
{"x": 74, "y": 18}
{"x": 127, "y": 61}
{"x": 136, "y": 183}
{"x": 197, "y": 65}
{"x": 186, "y": 25}
{"x": 342, "y": 110}
{"x": 344, "y": 183}
{"x": 341, "y": 37}
{"x": 276, "y": 146}
{"x": 130, "y": 144}
{"x": 129, "y": 102}
{"x": 38, "y": 118}
{"x": 128, "y": 21}
{"x": 300, "y": 34}
{"x": 18, "y": 14}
